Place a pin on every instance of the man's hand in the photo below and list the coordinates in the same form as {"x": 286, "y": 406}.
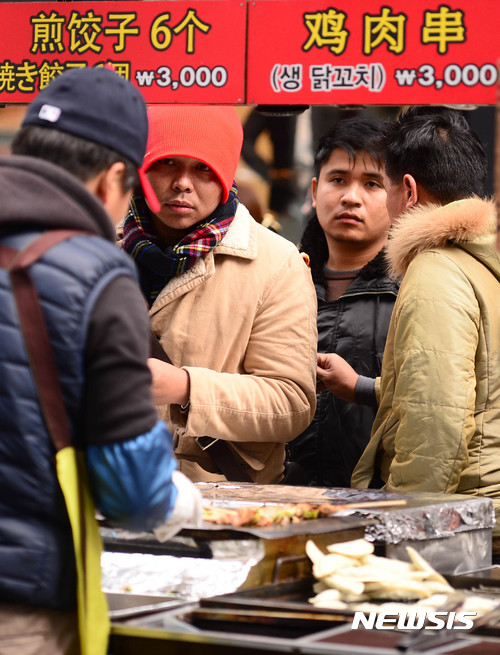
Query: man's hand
{"x": 336, "y": 375}
{"x": 170, "y": 383}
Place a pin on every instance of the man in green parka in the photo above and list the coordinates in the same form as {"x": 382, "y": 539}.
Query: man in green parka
{"x": 438, "y": 424}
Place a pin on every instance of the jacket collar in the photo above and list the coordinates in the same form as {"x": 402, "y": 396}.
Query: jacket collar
{"x": 240, "y": 241}
{"x": 425, "y": 227}
{"x": 241, "y": 238}
{"x": 372, "y": 278}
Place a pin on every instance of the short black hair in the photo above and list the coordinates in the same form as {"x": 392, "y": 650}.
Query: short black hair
{"x": 82, "y": 158}
{"x": 436, "y": 146}
{"x": 357, "y": 134}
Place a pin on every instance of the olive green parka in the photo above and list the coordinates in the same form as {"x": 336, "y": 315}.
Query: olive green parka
{"x": 438, "y": 424}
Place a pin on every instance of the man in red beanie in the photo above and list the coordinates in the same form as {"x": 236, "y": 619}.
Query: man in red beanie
{"x": 231, "y": 304}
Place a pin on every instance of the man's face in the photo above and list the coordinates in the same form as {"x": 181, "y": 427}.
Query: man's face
{"x": 187, "y": 189}
{"x": 349, "y": 198}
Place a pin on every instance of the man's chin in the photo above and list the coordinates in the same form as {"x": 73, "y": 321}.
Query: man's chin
{"x": 179, "y": 223}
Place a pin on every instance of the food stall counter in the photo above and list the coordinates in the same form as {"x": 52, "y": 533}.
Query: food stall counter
{"x": 218, "y": 560}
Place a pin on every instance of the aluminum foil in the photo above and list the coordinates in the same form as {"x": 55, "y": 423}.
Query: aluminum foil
{"x": 429, "y": 521}
{"x": 188, "y": 578}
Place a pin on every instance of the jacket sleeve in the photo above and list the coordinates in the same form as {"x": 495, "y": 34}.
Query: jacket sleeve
{"x": 136, "y": 485}
{"x": 132, "y": 480}
{"x": 365, "y": 392}
{"x": 434, "y": 350}
{"x": 275, "y": 399}
{"x": 129, "y": 451}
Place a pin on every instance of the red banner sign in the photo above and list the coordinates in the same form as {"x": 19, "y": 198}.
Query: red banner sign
{"x": 366, "y": 52}
{"x": 261, "y": 51}
{"x": 190, "y": 52}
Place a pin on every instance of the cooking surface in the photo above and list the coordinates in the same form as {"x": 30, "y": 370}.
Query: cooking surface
{"x": 279, "y": 493}
{"x": 423, "y": 516}
{"x": 324, "y": 525}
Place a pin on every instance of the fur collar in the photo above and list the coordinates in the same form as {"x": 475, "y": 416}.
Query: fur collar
{"x": 425, "y": 227}
{"x": 376, "y": 268}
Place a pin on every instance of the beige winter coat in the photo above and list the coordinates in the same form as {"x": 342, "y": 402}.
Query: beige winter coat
{"x": 438, "y": 424}
{"x": 242, "y": 322}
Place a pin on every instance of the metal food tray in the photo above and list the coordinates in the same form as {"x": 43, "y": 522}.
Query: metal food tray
{"x": 279, "y": 610}
{"x": 423, "y": 516}
{"x": 277, "y": 552}
{"x": 292, "y": 596}
{"x": 283, "y": 609}
{"x": 309, "y": 526}
{"x": 113, "y": 539}
{"x": 125, "y": 606}
{"x": 333, "y": 523}
{"x": 487, "y": 580}
{"x": 451, "y": 531}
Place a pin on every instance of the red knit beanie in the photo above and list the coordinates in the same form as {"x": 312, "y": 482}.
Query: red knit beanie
{"x": 210, "y": 133}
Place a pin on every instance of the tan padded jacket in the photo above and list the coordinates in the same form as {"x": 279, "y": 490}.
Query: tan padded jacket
{"x": 242, "y": 322}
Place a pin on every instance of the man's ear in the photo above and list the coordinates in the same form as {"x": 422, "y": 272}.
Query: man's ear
{"x": 411, "y": 190}
{"x": 314, "y": 186}
{"x": 108, "y": 182}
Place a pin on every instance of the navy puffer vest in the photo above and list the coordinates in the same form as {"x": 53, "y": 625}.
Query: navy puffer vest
{"x": 36, "y": 549}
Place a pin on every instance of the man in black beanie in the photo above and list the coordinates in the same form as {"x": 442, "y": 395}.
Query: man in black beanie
{"x": 75, "y": 162}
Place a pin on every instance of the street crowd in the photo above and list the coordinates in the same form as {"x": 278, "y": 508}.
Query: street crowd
{"x": 155, "y": 335}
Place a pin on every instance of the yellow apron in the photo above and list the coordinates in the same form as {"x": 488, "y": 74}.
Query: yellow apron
{"x": 93, "y": 620}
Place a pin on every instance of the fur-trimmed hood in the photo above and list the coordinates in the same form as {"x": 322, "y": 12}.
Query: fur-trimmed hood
{"x": 429, "y": 226}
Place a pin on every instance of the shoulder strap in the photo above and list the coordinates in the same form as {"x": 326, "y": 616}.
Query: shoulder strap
{"x": 35, "y": 333}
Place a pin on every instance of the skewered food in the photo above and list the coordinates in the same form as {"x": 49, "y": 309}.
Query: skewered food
{"x": 276, "y": 514}
{"x": 265, "y": 515}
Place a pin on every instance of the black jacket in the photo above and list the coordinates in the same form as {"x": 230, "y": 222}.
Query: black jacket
{"x": 355, "y": 327}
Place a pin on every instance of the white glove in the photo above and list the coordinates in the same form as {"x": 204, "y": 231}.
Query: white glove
{"x": 187, "y": 512}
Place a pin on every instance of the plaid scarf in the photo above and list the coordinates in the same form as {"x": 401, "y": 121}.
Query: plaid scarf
{"x": 156, "y": 264}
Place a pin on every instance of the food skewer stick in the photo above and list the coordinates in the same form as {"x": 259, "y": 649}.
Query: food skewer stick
{"x": 369, "y": 503}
